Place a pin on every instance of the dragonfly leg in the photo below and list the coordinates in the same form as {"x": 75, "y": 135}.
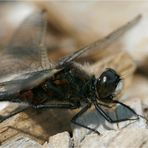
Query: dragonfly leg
{"x": 42, "y": 106}
{"x": 108, "y": 118}
{"x": 74, "y": 119}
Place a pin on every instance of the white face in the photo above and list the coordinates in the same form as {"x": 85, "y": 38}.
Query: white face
{"x": 119, "y": 88}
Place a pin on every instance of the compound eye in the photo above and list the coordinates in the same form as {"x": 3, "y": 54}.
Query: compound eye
{"x": 109, "y": 84}
{"x": 109, "y": 76}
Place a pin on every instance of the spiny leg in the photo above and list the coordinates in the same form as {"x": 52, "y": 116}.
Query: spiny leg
{"x": 80, "y": 114}
{"x": 108, "y": 118}
{"x": 58, "y": 106}
{"x": 126, "y": 106}
{"x": 42, "y": 106}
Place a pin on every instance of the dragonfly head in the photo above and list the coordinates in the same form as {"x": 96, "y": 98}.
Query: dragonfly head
{"x": 108, "y": 84}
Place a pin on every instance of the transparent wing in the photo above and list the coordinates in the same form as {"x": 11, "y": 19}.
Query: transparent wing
{"x": 25, "y": 52}
{"x": 29, "y": 51}
{"x": 24, "y": 82}
{"x": 102, "y": 43}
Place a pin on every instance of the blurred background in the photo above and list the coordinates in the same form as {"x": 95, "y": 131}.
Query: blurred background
{"x": 72, "y": 25}
{"x": 83, "y": 22}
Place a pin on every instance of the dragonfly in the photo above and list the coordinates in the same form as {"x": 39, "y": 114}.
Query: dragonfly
{"x": 28, "y": 76}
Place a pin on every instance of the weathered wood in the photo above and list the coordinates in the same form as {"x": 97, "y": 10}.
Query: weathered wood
{"x": 95, "y": 120}
{"x": 21, "y": 141}
{"x": 125, "y": 138}
{"x": 40, "y": 125}
{"x": 61, "y": 140}
{"x": 37, "y": 124}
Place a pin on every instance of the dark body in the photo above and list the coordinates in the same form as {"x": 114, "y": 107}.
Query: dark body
{"x": 73, "y": 88}
{"x": 70, "y": 85}
{"x": 62, "y": 85}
